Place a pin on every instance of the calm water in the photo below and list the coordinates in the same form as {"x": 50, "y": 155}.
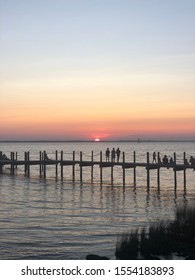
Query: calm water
{"x": 50, "y": 219}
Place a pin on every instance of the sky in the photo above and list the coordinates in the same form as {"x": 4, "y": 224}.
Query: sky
{"x": 87, "y": 69}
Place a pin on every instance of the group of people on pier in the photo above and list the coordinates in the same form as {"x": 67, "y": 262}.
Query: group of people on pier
{"x": 165, "y": 160}
{"x": 4, "y": 157}
{"x": 114, "y": 154}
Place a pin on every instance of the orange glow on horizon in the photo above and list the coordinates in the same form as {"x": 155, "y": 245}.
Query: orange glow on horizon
{"x": 95, "y": 117}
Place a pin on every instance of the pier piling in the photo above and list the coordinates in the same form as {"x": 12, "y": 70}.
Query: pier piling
{"x": 73, "y": 166}
{"x": 92, "y": 166}
{"x": 134, "y": 168}
{"x": 1, "y": 167}
{"x": 184, "y": 171}
{"x": 158, "y": 171}
{"x": 175, "y": 170}
{"x": 81, "y": 167}
{"x": 12, "y": 164}
{"x": 62, "y": 175}
{"x": 40, "y": 165}
{"x": 56, "y": 153}
{"x": 100, "y": 168}
{"x": 123, "y": 169}
{"x": 148, "y": 169}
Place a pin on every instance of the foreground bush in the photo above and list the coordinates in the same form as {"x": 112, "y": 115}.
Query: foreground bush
{"x": 162, "y": 240}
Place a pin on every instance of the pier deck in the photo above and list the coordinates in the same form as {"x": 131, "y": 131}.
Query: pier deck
{"x": 44, "y": 161}
{"x": 101, "y": 164}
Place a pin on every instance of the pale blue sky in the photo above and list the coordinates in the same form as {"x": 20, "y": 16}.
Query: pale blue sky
{"x": 99, "y": 34}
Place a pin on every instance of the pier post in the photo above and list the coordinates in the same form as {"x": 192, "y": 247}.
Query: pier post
{"x": 16, "y": 158}
{"x": 134, "y": 169}
{"x": 44, "y": 167}
{"x": 184, "y": 171}
{"x": 148, "y": 170}
{"x": 81, "y": 167}
{"x": 92, "y": 166}
{"x": 62, "y": 175}
{"x": 123, "y": 169}
{"x": 158, "y": 171}
{"x": 28, "y": 164}
{"x": 1, "y": 168}
{"x": 73, "y": 166}
{"x": 42, "y": 158}
{"x": 40, "y": 165}
{"x": 175, "y": 172}
{"x": 101, "y": 168}
{"x": 25, "y": 162}
{"x": 12, "y": 164}
{"x": 112, "y": 173}
{"x": 56, "y": 164}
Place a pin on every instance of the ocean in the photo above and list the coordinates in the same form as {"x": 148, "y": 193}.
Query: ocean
{"x": 65, "y": 219}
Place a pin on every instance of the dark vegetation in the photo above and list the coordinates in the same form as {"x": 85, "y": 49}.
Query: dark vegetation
{"x": 96, "y": 257}
{"x": 162, "y": 240}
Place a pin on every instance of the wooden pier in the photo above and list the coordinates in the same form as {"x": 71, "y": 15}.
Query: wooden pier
{"x": 43, "y": 161}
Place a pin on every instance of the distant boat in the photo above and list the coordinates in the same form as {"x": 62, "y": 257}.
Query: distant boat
{"x": 138, "y": 140}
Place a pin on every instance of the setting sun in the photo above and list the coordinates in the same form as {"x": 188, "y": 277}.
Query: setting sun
{"x": 97, "y": 139}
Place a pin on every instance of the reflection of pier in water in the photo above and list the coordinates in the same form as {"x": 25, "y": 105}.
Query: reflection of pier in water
{"x": 44, "y": 161}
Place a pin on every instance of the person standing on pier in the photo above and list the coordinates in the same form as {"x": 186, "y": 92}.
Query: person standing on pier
{"x": 165, "y": 160}
{"x": 113, "y": 155}
{"x": 107, "y": 154}
{"x": 186, "y": 161}
{"x": 171, "y": 161}
{"x": 159, "y": 160}
{"x": 154, "y": 158}
{"x": 118, "y": 152}
{"x": 192, "y": 160}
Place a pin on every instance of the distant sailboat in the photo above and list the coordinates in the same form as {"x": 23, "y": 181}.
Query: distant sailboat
{"x": 138, "y": 140}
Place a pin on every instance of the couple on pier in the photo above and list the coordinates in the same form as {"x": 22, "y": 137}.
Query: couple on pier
{"x": 114, "y": 154}
{"x": 164, "y": 160}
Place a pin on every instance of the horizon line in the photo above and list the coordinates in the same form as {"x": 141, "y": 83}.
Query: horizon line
{"x": 101, "y": 141}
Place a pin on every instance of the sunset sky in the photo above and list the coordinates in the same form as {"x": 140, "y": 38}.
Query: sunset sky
{"x": 86, "y": 69}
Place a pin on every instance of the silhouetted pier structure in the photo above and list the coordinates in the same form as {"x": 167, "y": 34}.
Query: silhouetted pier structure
{"x": 43, "y": 161}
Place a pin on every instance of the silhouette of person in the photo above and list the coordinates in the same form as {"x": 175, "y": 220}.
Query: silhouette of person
{"x": 171, "y": 160}
{"x": 192, "y": 160}
{"x": 107, "y": 154}
{"x": 186, "y": 161}
{"x": 4, "y": 157}
{"x": 46, "y": 157}
{"x": 118, "y": 152}
{"x": 165, "y": 160}
{"x": 154, "y": 157}
{"x": 159, "y": 160}
{"x": 113, "y": 154}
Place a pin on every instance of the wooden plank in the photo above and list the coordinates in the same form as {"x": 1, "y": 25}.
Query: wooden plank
{"x": 86, "y": 163}
{"x": 152, "y": 166}
{"x": 106, "y": 164}
{"x": 128, "y": 165}
{"x": 68, "y": 162}
{"x": 179, "y": 168}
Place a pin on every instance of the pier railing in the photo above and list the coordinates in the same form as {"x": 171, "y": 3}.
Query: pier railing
{"x": 126, "y": 161}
